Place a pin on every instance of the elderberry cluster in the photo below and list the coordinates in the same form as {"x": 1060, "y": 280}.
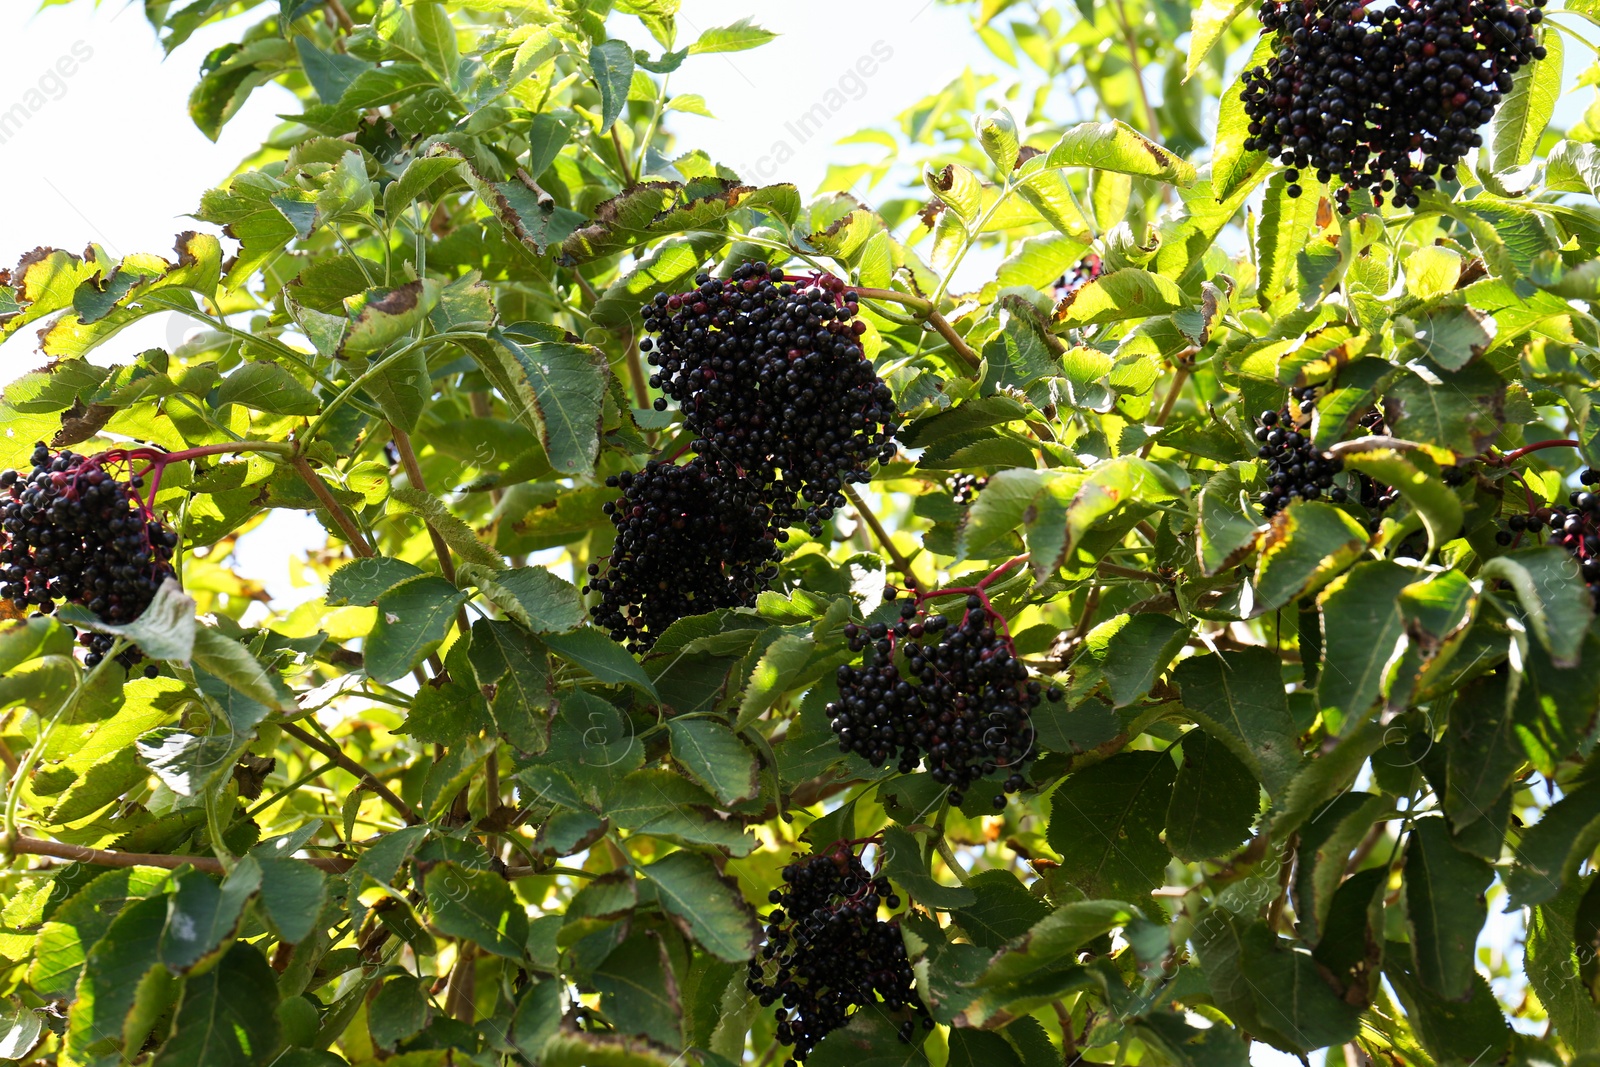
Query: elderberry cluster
{"x": 771, "y": 378}
{"x": 690, "y": 538}
{"x": 1087, "y": 270}
{"x": 1575, "y": 528}
{"x": 830, "y": 953}
{"x": 1383, "y": 97}
{"x": 964, "y": 488}
{"x": 71, "y": 531}
{"x": 961, "y": 705}
{"x": 1296, "y": 470}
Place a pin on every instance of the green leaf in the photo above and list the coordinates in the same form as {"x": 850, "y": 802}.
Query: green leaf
{"x": 603, "y": 658}
{"x": 556, "y": 389}
{"x": 1056, "y": 939}
{"x": 1267, "y": 988}
{"x": 363, "y": 581}
{"x": 456, "y": 533}
{"x": 980, "y": 1048}
{"x": 413, "y": 618}
{"x": 1555, "y": 706}
{"x": 165, "y": 630}
{"x": 1215, "y": 800}
{"x": 736, "y": 37}
{"x": 715, "y": 757}
{"x": 1555, "y": 955}
{"x": 1445, "y": 908}
{"x": 1553, "y": 595}
{"x": 1554, "y": 848}
{"x": 267, "y": 387}
{"x": 1228, "y": 522}
{"x": 1118, "y": 147}
{"x": 1481, "y": 749}
{"x": 612, "y": 65}
{"x": 379, "y": 317}
{"x": 1106, "y": 822}
{"x": 399, "y": 1011}
{"x": 1129, "y": 293}
{"x": 204, "y": 915}
{"x": 1362, "y": 627}
{"x": 1452, "y": 1031}
{"x": 1308, "y": 543}
{"x": 1207, "y": 24}
{"x": 1238, "y": 698}
{"x": 1005, "y": 909}
{"x": 438, "y": 37}
{"x": 1416, "y": 476}
{"x": 112, "y": 973}
{"x": 20, "y": 1030}
{"x": 665, "y": 805}
{"x": 576, "y": 1048}
{"x": 1286, "y": 224}
{"x": 904, "y": 864}
{"x": 1192, "y": 1046}
{"x": 1135, "y": 652}
{"x": 477, "y": 906}
{"x": 382, "y": 86}
{"x": 228, "y": 660}
{"x": 541, "y": 601}
{"x": 708, "y": 903}
{"x": 78, "y": 925}
{"x": 636, "y": 993}
{"x": 537, "y": 1019}
{"x": 402, "y": 388}
{"x": 774, "y": 674}
{"x": 292, "y": 892}
{"x": 1460, "y": 411}
{"x": 518, "y": 666}
{"x": 1519, "y": 122}
{"x": 228, "y": 1015}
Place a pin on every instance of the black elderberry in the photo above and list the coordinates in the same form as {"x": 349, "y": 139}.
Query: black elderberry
{"x": 1295, "y": 469}
{"x": 72, "y": 531}
{"x": 964, "y": 488}
{"x": 1576, "y": 529}
{"x": 960, "y": 705}
{"x": 690, "y": 538}
{"x": 1087, "y": 270}
{"x": 827, "y": 953}
{"x": 771, "y": 377}
{"x": 1383, "y": 98}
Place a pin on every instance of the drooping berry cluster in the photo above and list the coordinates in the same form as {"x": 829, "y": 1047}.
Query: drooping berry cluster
{"x": 964, "y": 488}
{"x": 829, "y": 953}
{"x": 1087, "y": 270}
{"x": 960, "y": 705}
{"x": 770, "y": 374}
{"x": 72, "y": 531}
{"x": 1295, "y": 469}
{"x": 1383, "y": 97}
{"x": 1575, "y": 528}
{"x": 690, "y": 538}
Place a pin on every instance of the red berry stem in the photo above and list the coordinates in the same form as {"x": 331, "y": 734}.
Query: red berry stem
{"x": 1512, "y": 457}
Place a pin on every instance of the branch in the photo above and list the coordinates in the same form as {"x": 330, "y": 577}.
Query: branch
{"x": 447, "y": 566}
{"x": 366, "y": 777}
{"x": 99, "y": 857}
{"x": 901, "y": 564}
{"x": 927, "y": 312}
{"x": 347, "y": 525}
{"x": 1180, "y": 376}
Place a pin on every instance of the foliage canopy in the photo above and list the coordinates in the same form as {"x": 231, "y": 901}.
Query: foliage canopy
{"x": 433, "y": 816}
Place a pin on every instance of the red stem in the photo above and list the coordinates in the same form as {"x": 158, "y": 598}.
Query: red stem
{"x": 1512, "y": 457}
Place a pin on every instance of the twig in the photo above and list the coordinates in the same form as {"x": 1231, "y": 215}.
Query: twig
{"x": 347, "y": 524}
{"x": 366, "y": 777}
{"x": 1138, "y": 69}
{"x": 622, "y": 158}
{"x": 1112, "y": 570}
{"x": 99, "y": 857}
{"x": 901, "y": 564}
{"x": 1512, "y": 457}
{"x": 925, "y": 310}
{"x": 340, "y": 14}
{"x": 460, "y": 994}
{"x": 441, "y": 548}
{"x": 1179, "y": 378}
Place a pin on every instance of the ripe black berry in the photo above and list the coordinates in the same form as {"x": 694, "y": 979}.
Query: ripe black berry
{"x": 1296, "y": 470}
{"x": 771, "y": 377}
{"x": 828, "y": 953}
{"x": 1383, "y": 98}
{"x": 1577, "y": 529}
{"x": 959, "y": 705}
{"x": 72, "y": 531}
{"x": 964, "y": 488}
{"x": 691, "y": 538}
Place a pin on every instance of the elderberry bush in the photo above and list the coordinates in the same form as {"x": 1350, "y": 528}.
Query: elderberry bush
{"x": 771, "y": 378}
{"x": 959, "y": 705}
{"x": 964, "y": 488}
{"x": 72, "y": 532}
{"x": 829, "y": 954}
{"x": 1383, "y": 97}
{"x": 690, "y": 538}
